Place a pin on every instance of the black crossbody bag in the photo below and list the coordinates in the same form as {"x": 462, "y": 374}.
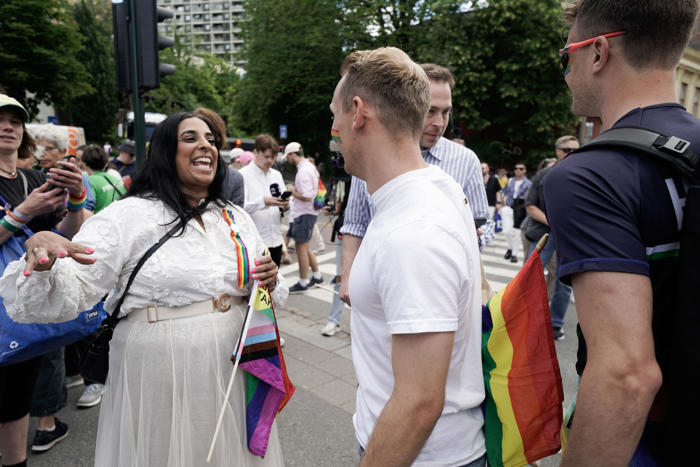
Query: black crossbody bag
{"x": 94, "y": 364}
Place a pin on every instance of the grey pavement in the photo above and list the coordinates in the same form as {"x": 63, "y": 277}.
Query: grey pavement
{"x": 316, "y": 426}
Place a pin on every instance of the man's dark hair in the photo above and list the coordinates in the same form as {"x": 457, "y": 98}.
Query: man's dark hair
{"x": 265, "y": 142}
{"x": 94, "y": 157}
{"x": 656, "y": 31}
{"x": 438, "y": 73}
{"x": 158, "y": 178}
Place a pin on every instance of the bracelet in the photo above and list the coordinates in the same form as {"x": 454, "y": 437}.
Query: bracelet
{"x": 16, "y": 213}
{"x": 77, "y": 203}
{"x": 5, "y": 223}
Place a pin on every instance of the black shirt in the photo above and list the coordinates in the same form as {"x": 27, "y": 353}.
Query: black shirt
{"x": 13, "y": 192}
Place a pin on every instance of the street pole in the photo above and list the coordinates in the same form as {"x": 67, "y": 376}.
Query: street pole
{"x": 136, "y": 98}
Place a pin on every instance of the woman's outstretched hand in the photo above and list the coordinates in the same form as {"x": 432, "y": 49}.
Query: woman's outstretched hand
{"x": 44, "y": 247}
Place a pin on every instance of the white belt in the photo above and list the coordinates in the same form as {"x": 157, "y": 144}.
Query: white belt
{"x": 155, "y": 313}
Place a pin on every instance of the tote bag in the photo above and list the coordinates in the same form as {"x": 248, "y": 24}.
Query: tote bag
{"x": 20, "y": 341}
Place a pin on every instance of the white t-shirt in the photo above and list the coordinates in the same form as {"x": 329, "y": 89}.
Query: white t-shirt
{"x": 257, "y": 186}
{"x": 417, "y": 270}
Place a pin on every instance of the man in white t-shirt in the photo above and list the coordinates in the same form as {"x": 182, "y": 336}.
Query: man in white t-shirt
{"x": 415, "y": 282}
{"x": 264, "y": 187}
{"x": 304, "y": 216}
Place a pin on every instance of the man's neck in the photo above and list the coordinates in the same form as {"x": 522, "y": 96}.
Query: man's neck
{"x": 261, "y": 168}
{"x": 393, "y": 160}
{"x": 519, "y": 178}
{"x": 642, "y": 89}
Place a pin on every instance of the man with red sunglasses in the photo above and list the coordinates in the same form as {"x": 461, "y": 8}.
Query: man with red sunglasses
{"x": 616, "y": 216}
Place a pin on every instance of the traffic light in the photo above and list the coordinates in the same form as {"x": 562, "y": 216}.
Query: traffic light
{"x": 148, "y": 15}
{"x": 120, "y": 14}
{"x": 148, "y": 43}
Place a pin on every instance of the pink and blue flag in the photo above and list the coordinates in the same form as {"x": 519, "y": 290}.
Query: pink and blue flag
{"x": 268, "y": 388}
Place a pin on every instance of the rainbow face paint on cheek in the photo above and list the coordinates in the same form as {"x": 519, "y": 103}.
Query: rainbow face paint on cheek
{"x": 335, "y": 136}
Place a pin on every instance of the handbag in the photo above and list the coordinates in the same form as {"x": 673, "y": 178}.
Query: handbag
{"x": 22, "y": 341}
{"x": 94, "y": 364}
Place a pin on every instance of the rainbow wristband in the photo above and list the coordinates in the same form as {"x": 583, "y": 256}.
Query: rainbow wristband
{"x": 77, "y": 203}
{"x": 5, "y": 223}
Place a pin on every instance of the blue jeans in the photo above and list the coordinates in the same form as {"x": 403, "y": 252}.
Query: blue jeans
{"x": 49, "y": 390}
{"x": 338, "y": 307}
{"x": 562, "y": 292}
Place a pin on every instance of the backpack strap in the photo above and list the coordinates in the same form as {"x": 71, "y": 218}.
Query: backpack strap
{"x": 671, "y": 150}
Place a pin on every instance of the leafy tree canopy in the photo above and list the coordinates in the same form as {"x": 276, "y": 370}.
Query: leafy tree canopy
{"x": 38, "y": 52}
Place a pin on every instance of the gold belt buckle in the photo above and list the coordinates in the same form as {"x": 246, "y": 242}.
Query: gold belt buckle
{"x": 222, "y": 303}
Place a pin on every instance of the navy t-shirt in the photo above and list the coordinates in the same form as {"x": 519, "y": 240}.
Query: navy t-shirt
{"x": 618, "y": 210}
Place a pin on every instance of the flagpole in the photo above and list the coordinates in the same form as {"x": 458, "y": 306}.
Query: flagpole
{"x": 241, "y": 341}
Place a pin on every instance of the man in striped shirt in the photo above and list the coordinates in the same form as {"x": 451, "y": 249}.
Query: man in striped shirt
{"x": 457, "y": 161}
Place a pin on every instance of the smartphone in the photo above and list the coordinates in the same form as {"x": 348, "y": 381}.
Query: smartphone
{"x": 479, "y": 222}
{"x": 286, "y": 195}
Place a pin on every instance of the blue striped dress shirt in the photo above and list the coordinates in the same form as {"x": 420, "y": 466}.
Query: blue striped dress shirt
{"x": 459, "y": 162}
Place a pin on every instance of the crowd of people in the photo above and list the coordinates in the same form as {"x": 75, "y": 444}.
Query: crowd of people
{"x": 411, "y": 221}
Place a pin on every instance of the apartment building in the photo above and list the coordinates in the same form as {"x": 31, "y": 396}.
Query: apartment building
{"x": 206, "y": 25}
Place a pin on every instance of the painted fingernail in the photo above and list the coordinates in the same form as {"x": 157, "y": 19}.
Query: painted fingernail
{"x": 255, "y": 276}
{"x": 61, "y": 254}
{"x": 43, "y": 260}
{"x": 89, "y": 250}
{"x": 26, "y": 273}
{"x": 94, "y": 260}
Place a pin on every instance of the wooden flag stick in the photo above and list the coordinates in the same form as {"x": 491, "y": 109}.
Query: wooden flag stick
{"x": 239, "y": 347}
{"x": 542, "y": 242}
{"x": 324, "y": 287}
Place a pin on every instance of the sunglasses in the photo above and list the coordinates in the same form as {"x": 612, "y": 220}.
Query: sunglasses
{"x": 566, "y": 150}
{"x": 564, "y": 53}
{"x": 520, "y": 168}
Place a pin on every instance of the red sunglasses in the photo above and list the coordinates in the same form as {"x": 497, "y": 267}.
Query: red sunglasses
{"x": 564, "y": 53}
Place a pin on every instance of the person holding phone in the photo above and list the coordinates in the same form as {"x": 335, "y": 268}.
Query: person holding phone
{"x": 263, "y": 198}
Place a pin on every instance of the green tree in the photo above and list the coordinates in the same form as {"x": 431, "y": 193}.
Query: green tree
{"x": 96, "y": 111}
{"x": 201, "y": 80}
{"x": 509, "y": 83}
{"x": 293, "y": 54}
{"x": 38, "y": 52}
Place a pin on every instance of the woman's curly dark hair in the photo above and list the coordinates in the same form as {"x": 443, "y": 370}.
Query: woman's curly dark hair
{"x": 158, "y": 178}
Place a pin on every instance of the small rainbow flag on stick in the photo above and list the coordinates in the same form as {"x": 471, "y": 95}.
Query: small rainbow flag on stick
{"x": 268, "y": 388}
{"x": 523, "y": 407}
{"x": 241, "y": 249}
{"x": 320, "y": 199}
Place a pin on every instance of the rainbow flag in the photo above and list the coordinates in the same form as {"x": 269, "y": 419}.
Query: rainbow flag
{"x": 268, "y": 388}
{"x": 524, "y": 395}
{"x": 320, "y": 199}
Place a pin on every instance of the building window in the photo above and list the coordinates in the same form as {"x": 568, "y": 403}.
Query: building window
{"x": 682, "y": 93}
{"x": 696, "y": 98}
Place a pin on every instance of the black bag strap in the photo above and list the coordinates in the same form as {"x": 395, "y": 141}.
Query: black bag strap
{"x": 671, "y": 150}
{"x": 113, "y": 319}
{"x": 104, "y": 175}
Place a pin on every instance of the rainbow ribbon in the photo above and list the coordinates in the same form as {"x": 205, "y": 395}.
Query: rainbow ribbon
{"x": 241, "y": 250}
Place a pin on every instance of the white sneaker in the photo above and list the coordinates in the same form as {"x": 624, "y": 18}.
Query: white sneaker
{"x": 73, "y": 381}
{"x": 331, "y": 329}
{"x": 91, "y": 396}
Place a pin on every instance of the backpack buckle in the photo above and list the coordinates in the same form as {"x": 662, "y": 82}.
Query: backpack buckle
{"x": 675, "y": 145}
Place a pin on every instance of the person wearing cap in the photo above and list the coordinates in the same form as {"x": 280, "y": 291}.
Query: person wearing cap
{"x": 125, "y": 162}
{"x": 30, "y": 201}
{"x": 304, "y": 215}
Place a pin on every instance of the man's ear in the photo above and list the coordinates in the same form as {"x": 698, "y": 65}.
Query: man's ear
{"x": 359, "y": 113}
{"x": 601, "y": 48}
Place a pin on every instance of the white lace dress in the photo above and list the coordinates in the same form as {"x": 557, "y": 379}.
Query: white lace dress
{"x": 167, "y": 380}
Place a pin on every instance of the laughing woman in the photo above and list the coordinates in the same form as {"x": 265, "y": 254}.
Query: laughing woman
{"x": 169, "y": 357}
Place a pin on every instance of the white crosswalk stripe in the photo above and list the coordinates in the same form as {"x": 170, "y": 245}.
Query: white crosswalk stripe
{"x": 499, "y": 271}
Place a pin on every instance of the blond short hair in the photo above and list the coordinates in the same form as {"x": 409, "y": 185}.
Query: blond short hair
{"x": 396, "y": 87}
{"x": 564, "y": 139}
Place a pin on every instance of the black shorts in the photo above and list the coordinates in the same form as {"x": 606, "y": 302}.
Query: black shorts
{"x": 16, "y": 388}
